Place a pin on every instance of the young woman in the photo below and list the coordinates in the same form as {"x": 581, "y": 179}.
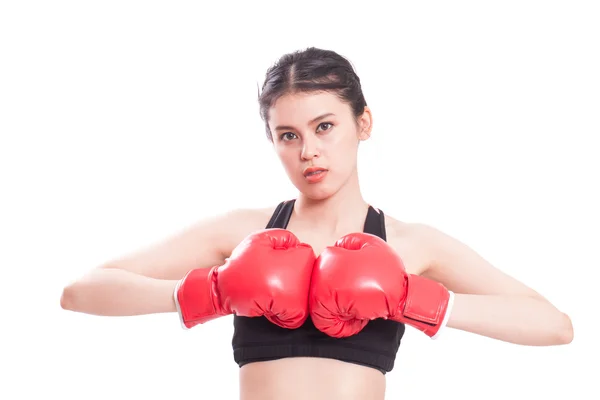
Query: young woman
{"x": 321, "y": 286}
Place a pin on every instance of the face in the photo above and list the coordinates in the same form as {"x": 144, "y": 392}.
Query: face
{"x": 316, "y": 137}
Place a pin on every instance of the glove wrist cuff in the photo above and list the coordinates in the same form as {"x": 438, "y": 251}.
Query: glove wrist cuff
{"x": 195, "y": 298}
{"x": 427, "y": 305}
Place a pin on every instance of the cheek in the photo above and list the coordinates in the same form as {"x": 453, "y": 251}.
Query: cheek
{"x": 342, "y": 150}
{"x": 287, "y": 156}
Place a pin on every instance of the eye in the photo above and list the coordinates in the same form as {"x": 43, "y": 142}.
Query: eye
{"x": 330, "y": 125}
{"x": 287, "y": 136}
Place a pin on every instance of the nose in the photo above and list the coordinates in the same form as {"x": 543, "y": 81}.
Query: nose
{"x": 310, "y": 149}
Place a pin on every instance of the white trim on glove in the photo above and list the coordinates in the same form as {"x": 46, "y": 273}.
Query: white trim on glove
{"x": 446, "y": 317}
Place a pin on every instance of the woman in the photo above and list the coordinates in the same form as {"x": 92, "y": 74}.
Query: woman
{"x": 322, "y": 296}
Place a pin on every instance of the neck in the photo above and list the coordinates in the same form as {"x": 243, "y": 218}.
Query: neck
{"x": 342, "y": 211}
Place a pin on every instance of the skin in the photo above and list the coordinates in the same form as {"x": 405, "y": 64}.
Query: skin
{"x": 487, "y": 301}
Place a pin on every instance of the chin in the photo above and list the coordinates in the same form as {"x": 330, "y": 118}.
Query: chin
{"x": 317, "y": 191}
{"x": 316, "y": 195}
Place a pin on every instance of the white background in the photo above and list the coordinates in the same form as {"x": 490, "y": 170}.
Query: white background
{"x": 123, "y": 122}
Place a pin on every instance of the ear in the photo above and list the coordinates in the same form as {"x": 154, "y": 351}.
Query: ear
{"x": 365, "y": 124}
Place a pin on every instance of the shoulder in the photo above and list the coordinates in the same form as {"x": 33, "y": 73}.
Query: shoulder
{"x": 411, "y": 231}
{"x": 234, "y": 225}
{"x": 251, "y": 216}
{"x": 419, "y": 244}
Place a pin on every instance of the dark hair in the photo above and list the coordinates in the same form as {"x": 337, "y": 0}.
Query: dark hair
{"x": 311, "y": 70}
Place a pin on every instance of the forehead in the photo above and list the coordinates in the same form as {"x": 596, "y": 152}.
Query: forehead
{"x": 299, "y": 108}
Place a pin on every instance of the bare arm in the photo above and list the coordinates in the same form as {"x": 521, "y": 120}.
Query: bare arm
{"x": 489, "y": 302}
{"x": 117, "y": 292}
{"x": 143, "y": 282}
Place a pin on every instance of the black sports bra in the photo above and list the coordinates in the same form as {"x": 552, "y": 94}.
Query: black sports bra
{"x": 376, "y": 346}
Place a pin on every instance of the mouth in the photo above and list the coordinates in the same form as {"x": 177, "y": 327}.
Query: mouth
{"x": 311, "y": 171}
{"x": 315, "y": 174}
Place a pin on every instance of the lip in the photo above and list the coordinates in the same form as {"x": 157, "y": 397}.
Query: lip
{"x": 314, "y": 174}
{"x": 312, "y": 169}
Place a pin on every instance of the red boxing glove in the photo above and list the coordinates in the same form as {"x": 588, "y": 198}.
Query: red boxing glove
{"x": 361, "y": 278}
{"x": 267, "y": 274}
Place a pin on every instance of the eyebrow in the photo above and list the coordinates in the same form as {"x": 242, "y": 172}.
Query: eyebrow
{"x": 312, "y": 121}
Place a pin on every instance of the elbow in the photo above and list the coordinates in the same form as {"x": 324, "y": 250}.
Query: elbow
{"x": 75, "y": 295}
{"x": 565, "y": 330}
{"x": 67, "y": 298}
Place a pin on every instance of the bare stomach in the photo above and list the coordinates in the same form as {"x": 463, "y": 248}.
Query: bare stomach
{"x": 310, "y": 378}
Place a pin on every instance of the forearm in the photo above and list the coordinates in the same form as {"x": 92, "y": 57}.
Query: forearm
{"x": 515, "y": 319}
{"x": 115, "y": 292}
